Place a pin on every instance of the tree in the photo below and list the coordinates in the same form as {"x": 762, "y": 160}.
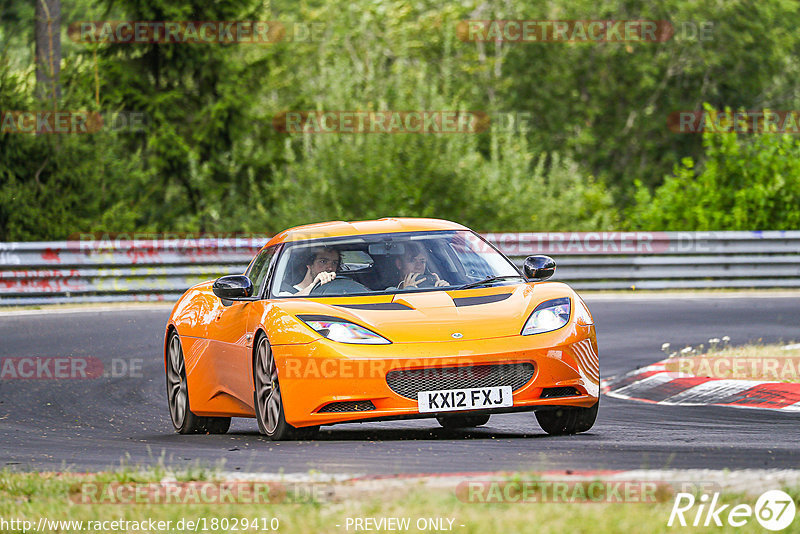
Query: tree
{"x": 48, "y": 49}
{"x": 745, "y": 182}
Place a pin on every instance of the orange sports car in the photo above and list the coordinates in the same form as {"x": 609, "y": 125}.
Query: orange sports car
{"x": 378, "y": 320}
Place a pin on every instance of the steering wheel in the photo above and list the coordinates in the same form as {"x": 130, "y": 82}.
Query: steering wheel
{"x": 425, "y": 279}
{"x": 339, "y": 286}
{"x": 430, "y": 280}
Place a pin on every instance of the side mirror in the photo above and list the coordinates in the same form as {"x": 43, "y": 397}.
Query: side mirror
{"x": 233, "y": 287}
{"x": 538, "y": 268}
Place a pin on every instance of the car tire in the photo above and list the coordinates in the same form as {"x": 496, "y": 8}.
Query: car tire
{"x": 183, "y": 419}
{"x": 462, "y": 421}
{"x": 562, "y": 421}
{"x": 267, "y": 398}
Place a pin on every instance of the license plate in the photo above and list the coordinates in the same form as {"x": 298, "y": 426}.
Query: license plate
{"x": 449, "y": 400}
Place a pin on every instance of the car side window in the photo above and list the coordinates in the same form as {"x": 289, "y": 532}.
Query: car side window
{"x": 260, "y": 269}
{"x": 473, "y": 265}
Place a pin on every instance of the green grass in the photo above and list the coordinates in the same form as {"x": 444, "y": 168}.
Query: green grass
{"x": 30, "y": 496}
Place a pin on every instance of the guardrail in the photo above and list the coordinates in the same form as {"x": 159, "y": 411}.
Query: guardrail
{"x": 161, "y": 269}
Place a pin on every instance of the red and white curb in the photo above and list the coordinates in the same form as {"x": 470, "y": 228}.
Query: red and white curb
{"x": 657, "y": 385}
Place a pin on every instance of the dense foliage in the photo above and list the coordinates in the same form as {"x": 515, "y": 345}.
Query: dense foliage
{"x": 595, "y": 152}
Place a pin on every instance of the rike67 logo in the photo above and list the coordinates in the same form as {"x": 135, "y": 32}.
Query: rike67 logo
{"x": 774, "y": 510}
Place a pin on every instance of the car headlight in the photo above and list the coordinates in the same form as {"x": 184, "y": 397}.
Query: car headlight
{"x": 548, "y": 316}
{"x": 342, "y": 330}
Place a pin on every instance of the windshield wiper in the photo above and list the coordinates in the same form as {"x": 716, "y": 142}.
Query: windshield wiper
{"x": 488, "y": 280}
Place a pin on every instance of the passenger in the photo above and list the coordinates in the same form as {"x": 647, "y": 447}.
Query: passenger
{"x": 413, "y": 269}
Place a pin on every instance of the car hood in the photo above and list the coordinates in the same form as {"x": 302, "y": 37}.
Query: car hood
{"x": 478, "y": 313}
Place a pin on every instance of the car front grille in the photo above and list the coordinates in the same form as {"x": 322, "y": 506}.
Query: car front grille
{"x": 409, "y": 382}
{"x": 347, "y": 406}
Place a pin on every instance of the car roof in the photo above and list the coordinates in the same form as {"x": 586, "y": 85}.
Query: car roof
{"x": 379, "y": 226}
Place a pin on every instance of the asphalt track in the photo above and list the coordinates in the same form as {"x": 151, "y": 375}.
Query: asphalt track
{"x": 87, "y": 425}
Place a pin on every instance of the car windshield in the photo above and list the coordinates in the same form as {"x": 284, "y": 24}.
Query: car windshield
{"x": 389, "y": 263}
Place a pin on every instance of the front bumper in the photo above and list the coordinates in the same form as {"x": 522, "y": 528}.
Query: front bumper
{"x": 315, "y": 374}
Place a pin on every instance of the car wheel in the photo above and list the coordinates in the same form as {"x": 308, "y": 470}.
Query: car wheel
{"x": 183, "y": 419}
{"x": 267, "y": 398}
{"x": 462, "y": 421}
{"x": 563, "y": 421}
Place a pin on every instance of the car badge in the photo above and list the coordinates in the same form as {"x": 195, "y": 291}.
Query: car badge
{"x": 457, "y": 335}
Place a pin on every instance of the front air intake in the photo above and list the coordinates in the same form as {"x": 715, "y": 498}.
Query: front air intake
{"x": 347, "y": 406}
{"x": 552, "y": 393}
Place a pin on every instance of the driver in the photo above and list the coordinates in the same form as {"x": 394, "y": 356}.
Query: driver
{"x": 413, "y": 268}
{"x": 322, "y": 266}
